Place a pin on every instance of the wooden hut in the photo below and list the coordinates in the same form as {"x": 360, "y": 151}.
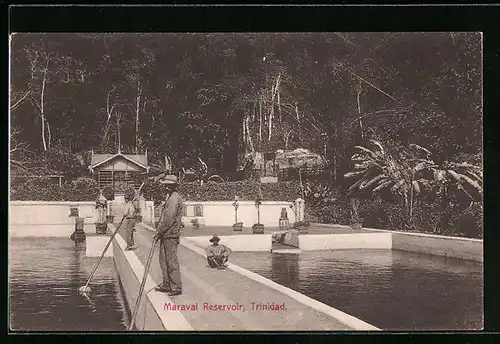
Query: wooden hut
{"x": 119, "y": 170}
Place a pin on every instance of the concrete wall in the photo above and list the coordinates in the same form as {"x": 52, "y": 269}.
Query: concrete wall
{"x": 292, "y": 239}
{"x": 150, "y": 316}
{"x": 238, "y": 243}
{"x": 49, "y": 213}
{"x": 439, "y": 245}
{"x": 469, "y": 249}
{"x": 130, "y": 285}
{"x": 63, "y": 231}
{"x": 316, "y": 242}
{"x": 117, "y": 206}
{"x": 222, "y": 213}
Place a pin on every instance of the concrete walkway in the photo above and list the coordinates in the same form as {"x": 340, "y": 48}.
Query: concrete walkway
{"x": 226, "y": 287}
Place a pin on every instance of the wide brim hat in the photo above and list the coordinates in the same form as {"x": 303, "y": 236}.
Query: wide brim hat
{"x": 215, "y": 238}
{"x": 169, "y": 180}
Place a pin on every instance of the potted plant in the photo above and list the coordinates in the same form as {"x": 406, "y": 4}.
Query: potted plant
{"x": 100, "y": 225}
{"x": 237, "y": 226}
{"x": 258, "y": 228}
{"x": 195, "y": 223}
{"x": 356, "y": 220}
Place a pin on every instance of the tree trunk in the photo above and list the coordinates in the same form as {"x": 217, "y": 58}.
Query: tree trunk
{"x": 260, "y": 119}
{"x": 244, "y": 131}
{"x": 109, "y": 113}
{"x": 119, "y": 148}
{"x": 49, "y": 135}
{"x": 271, "y": 114}
{"x": 42, "y": 101}
{"x": 359, "y": 109}
{"x": 137, "y": 111}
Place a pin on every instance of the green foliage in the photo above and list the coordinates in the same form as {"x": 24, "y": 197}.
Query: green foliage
{"x": 246, "y": 190}
{"x": 301, "y": 225}
{"x": 44, "y": 189}
{"x": 438, "y": 216}
{"x": 420, "y": 87}
{"x": 411, "y": 174}
{"x": 36, "y": 189}
{"x": 82, "y": 189}
{"x": 226, "y": 191}
{"x": 60, "y": 161}
{"x": 109, "y": 193}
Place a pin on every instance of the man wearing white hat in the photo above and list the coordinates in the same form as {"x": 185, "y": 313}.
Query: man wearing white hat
{"x": 167, "y": 231}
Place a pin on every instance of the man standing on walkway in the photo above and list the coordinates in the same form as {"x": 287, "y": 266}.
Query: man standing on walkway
{"x": 167, "y": 232}
{"x": 217, "y": 255}
{"x": 130, "y": 214}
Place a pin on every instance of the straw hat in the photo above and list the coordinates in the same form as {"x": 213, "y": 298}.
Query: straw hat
{"x": 215, "y": 238}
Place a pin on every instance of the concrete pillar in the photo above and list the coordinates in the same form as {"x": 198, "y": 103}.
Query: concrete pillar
{"x": 299, "y": 206}
{"x": 79, "y": 234}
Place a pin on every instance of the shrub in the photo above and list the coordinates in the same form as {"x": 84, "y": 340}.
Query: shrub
{"x": 82, "y": 189}
{"x": 36, "y": 189}
{"x": 436, "y": 216}
{"x": 469, "y": 222}
{"x": 212, "y": 191}
{"x": 44, "y": 189}
{"x": 302, "y": 224}
{"x": 109, "y": 193}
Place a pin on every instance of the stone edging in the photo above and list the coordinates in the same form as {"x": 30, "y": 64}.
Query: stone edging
{"x": 327, "y": 225}
{"x": 345, "y": 318}
{"x": 239, "y": 202}
{"x": 172, "y": 320}
{"x": 21, "y": 203}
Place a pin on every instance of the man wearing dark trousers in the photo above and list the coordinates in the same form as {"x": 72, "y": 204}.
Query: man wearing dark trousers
{"x": 167, "y": 232}
{"x": 217, "y": 255}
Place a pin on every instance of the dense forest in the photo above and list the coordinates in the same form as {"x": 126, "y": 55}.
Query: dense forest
{"x": 362, "y": 100}
{"x": 216, "y": 95}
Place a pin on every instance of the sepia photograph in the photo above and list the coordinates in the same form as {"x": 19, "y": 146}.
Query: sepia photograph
{"x": 326, "y": 181}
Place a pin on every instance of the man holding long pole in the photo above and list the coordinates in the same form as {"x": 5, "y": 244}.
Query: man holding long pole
{"x": 167, "y": 232}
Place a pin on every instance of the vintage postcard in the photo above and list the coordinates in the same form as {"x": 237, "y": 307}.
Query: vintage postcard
{"x": 246, "y": 181}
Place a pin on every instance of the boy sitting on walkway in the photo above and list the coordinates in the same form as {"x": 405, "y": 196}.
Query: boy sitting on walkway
{"x": 217, "y": 255}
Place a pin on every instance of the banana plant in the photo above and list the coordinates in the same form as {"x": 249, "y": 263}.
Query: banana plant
{"x": 403, "y": 175}
{"x": 412, "y": 172}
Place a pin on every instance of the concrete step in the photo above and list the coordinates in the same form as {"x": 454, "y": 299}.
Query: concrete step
{"x": 282, "y": 248}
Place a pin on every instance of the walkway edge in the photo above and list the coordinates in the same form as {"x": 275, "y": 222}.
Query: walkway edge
{"x": 349, "y": 320}
{"x": 171, "y": 320}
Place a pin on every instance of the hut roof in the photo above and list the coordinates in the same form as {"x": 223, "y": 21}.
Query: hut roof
{"x": 138, "y": 159}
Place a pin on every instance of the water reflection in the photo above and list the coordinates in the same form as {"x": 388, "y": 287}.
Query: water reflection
{"x": 392, "y": 290}
{"x": 45, "y": 274}
{"x": 285, "y": 269}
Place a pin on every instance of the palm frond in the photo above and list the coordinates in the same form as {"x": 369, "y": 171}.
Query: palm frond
{"x": 416, "y": 187}
{"x": 397, "y": 185}
{"x": 381, "y": 186}
{"x": 356, "y": 184}
{"x": 413, "y": 145}
{"x": 367, "y": 151}
{"x": 379, "y": 145}
{"x": 367, "y": 183}
{"x": 353, "y": 174}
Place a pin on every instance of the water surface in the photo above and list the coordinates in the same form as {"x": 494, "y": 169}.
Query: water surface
{"x": 392, "y": 290}
{"x": 45, "y": 274}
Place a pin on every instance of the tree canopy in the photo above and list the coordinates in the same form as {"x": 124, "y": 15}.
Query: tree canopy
{"x": 217, "y": 96}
